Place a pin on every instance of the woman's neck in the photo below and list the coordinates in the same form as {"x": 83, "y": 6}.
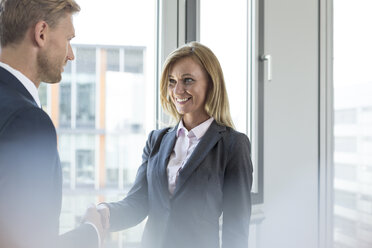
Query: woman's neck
{"x": 190, "y": 122}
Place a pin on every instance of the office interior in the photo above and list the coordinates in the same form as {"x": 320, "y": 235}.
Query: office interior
{"x": 298, "y": 76}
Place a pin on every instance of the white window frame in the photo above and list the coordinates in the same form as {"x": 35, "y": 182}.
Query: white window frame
{"x": 326, "y": 139}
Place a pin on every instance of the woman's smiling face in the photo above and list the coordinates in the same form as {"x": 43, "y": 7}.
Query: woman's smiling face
{"x": 187, "y": 86}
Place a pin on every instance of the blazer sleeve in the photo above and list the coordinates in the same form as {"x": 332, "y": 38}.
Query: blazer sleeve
{"x": 237, "y": 194}
{"x": 134, "y": 207}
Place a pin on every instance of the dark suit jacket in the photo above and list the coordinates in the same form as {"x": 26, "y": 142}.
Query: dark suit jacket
{"x": 30, "y": 175}
{"x": 217, "y": 178}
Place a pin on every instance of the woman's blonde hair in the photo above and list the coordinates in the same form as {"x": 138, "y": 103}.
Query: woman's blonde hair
{"x": 217, "y": 103}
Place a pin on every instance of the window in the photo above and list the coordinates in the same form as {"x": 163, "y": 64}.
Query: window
{"x": 345, "y": 171}
{"x": 345, "y": 144}
{"x": 232, "y": 40}
{"x": 345, "y": 199}
{"x": 133, "y": 61}
{"x": 84, "y": 157}
{"x": 231, "y": 49}
{"x": 67, "y": 161}
{"x": 346, "y": 116}
{"x": 104, "y": 107}
{"x": 43, "y": 93}
{"x": 85, "y": 87}
{"x": 347, "y": 226}
{"x": 353, "y": 115}
{"x": 113, "y": 60}
{"x": 367, "y": 115}
{"x": 106, "y": 104}
{"x": 65, "y": 105}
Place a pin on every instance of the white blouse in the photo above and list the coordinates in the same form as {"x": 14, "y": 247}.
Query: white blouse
{"x": 185, "y": 145}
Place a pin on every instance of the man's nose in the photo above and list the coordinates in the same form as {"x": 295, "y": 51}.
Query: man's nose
{"x": 70, "y": 53}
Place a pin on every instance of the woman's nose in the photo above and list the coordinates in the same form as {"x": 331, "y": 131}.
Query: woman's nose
{"x": 179, "y": 88}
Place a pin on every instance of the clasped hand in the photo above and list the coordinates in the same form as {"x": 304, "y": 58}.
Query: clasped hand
{"x": 99, "y": 216}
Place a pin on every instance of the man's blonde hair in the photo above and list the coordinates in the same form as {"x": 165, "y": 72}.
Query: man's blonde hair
{"x": 17, "y": 16}
{"x": 217, "y": 103}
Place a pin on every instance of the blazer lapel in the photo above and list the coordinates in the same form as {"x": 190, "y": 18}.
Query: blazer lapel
{"x": 165, "y": 151}
{"x": 207, "y": 142}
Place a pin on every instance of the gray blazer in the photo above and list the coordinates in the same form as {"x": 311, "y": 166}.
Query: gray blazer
{"x": 217, "y": 178}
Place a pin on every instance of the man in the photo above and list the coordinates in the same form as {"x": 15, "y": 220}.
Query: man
{"x": 35, "y": 46}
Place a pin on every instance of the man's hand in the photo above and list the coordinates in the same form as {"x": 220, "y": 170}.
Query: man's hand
{"x": 92, "y": 216}
{"x": 104, "y": 211}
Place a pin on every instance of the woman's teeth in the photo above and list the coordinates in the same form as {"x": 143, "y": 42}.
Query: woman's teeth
{"x": 182, "y": 100}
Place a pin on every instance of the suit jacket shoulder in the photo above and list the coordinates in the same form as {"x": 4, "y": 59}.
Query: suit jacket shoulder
{"x": 234, "y": 138}
{"x": 13, "y": 102}
{"x": 155, "y": 138}
{"x": 155, "y": 134}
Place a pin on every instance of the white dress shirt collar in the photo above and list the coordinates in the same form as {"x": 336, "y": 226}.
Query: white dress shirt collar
{"x": 27, "y": 83}
{"x": 198, "y": 131}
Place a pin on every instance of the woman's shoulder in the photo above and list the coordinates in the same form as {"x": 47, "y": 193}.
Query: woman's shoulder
{"x": 236, "y": 142}
{"x": 235, "y": 137}
{"x": 161, "y": 131}
{"x": 157, "y": 133}
{"x": 234, "y": 133}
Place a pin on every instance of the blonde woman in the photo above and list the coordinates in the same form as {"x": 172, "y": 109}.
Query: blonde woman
{"x": 192, "y": 172}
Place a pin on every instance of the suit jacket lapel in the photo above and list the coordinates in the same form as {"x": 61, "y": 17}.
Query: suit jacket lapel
{"x": 207, "y": 142}
{"x": 165, "y": 151}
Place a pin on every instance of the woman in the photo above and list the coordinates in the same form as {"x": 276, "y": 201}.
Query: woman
{"x": 192, "y": 172}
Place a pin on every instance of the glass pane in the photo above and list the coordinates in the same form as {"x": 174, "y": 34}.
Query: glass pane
{"x": 133, "y": 61}
{"x": 65, "y": 97}
{"x": 227, "y": 37}
{"x": 85, "y": 160}
{"x": 43, "y": 90}
{"x": 231, "y": 39}
{"x": 113, "y": 60}
{"x": 65, "y": 105}
{"x": 106, "y": 107}
{"x": 86, "y": 87}
{"x": 352, "y": 124}
{"x": 65, "y": 155}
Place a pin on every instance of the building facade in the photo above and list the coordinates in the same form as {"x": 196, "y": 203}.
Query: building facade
{"x": 100, "y": 113}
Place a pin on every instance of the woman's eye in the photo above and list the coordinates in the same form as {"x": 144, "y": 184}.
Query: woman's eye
{"x": 188, "y": 80}
{"x": 172, "y": 82}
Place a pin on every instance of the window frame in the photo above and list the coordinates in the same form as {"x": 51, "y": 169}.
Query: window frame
{"x": 326, "y": 128}
{"x": 188, "y": 30}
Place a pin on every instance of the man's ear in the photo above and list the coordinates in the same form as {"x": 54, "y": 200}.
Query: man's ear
{"x": 41, "y": 33}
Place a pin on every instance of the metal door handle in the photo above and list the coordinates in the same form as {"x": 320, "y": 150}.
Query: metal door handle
{"x": 267, "y": 57}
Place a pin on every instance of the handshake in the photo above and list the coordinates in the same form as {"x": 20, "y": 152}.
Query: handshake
{"x": 99, "y": 217}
